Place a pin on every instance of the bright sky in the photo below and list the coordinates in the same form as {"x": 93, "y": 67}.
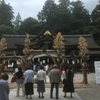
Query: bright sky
{"x": 30, "y": 8}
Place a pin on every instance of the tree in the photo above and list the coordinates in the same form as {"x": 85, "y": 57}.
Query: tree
{"x": 81, "y": 17}
{"x": 27, "y": 42}
{"x": 48, "y": 12}
{"x": 96, "y": 23}
{"x": 6, "y": 13}
{"x": 3, "y": 46}
{"x": 26, "y": 59}
{"x": 17, "y": 22}
{"x": 48, "y": 15}
{"x": 59, "y": 46}
{"x": 58, "y": 43}
{"x": 96, "y": 12}
{"x": 82, "y": 53}
{"x": 64, "y": 17}
{"x": 30, "y": 25}
{"x": 4, "y": 29}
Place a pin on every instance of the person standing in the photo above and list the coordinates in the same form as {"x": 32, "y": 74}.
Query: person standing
{"x": 4, "y": 87}
{"x": 54, "y": 80}
{"x": 41, "y": 77}
{"x": 46, "y": 68}
{"x": 63, "y": 73}
{"x": 68, "y": 83}
{"x": 29, "y": 81}
{"x": 19, "y": 80}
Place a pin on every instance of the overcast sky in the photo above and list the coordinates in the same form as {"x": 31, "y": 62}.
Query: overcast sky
{"x": 30, "y": 8}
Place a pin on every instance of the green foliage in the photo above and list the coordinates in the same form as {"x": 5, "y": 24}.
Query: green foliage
{"x": 48, "y": 15}
{"x": 72, "y": 53}
{"x": 49, "y": 11}
{"x": 7, "y": 30}
{"x": 17, "y": 22}
{"x": 44, "y": 48}
{"x": 66, "y": 17}
{"x": 30, "y": 25}
{"x": 96, "y": 23}
{"x": 6, "y": 13}
{"x": 80, "y": 14}
{"x": 96, "y": 13}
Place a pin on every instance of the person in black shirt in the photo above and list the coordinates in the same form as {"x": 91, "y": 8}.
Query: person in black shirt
{"x": 19, "y": 80}
{"x": 68, "y": 83}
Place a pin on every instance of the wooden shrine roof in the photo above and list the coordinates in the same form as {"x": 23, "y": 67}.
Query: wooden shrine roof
{"x": 14, "y": 40}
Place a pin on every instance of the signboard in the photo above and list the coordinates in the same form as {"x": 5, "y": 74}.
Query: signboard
{"x": 97, "y": 71}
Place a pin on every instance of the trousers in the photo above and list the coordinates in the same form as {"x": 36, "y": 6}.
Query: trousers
{"x": 56, "y": 85}
{"x": 18, "y": 89}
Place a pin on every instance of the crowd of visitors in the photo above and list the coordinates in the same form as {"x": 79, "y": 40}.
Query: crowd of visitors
{"x": 25, "y": 80}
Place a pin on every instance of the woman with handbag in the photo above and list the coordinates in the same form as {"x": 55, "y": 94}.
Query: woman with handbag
{"x": 41, "y": 77}
{"x": 19, "y": 80}
{"x": 68, "y": 82}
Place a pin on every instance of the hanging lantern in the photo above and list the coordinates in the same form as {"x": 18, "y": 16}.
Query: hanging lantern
{"x": 48, "y": 60}
{"x": 73, "y": 62}
{"x": 43, "y": 61}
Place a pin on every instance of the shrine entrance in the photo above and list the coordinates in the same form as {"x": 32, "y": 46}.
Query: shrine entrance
{"x": 43, "y": 59}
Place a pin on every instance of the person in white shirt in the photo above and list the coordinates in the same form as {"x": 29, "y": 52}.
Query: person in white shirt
{"x": 41, "y": 77}
{"x": 29, "y": 81}
{"x": 46, "y": 69}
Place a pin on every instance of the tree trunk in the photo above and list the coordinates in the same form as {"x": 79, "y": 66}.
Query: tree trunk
{"x": 84, "y": 69}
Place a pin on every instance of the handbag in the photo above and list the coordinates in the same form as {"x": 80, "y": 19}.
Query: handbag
{"x": 13, "y": 79}
{"x": 20, "y": 81}
{"x": 64, "y": 81}
{"x": 36, "y": 80}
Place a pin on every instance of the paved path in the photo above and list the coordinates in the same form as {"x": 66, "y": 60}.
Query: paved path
{"x": 46, "y": 95}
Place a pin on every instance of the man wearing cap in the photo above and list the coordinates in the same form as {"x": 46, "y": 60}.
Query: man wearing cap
{"x": 54, "y": 80}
